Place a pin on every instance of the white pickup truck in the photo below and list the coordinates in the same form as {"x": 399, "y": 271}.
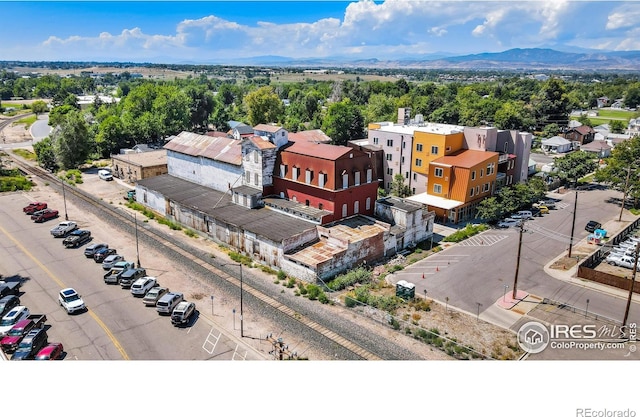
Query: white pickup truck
{"x": 64, "y": 228}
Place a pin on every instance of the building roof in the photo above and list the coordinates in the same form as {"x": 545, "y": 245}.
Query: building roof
{"x": 144, "y": 159}
{"x": 596, "y": 146}
{"x": 465, "y": 158}
{"x": 435, "y": 201}
{"x": 216, "y": 148}
{"x": 215, "y": 133}
{"x": 318, "y": 150}
{"x": 400, "y": 203}
{"x": 556, "y": 141}
{"x": 315, "y": 135}
{"x": 441, "y": 128}
{"x": 217, "y": 205}
{"x": 261, "y": 142}
{"x": 243, "y": 129}
{"x": 582, "y": 129}
{"x": 263, "y": 127}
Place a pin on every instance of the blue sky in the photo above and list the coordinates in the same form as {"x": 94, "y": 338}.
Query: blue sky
{"x": 206, "y": 31}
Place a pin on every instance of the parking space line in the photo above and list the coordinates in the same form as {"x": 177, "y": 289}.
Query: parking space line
{"x": 482, "y": 240}
{"x": 207, "y": 341}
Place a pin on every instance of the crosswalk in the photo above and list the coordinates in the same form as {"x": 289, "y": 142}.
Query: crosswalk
{"x": 482, "y": 240}
{"x": 560, "y": 206}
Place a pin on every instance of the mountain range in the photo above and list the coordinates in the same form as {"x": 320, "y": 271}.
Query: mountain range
{"x": 512, "y": 59}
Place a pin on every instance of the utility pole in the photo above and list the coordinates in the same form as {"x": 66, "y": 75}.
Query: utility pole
{"x": 280, "y": 350}
{"x": 515, "y": 279}
{"x": 573, "y": 224}
{"x": 626, "y": 189}
{"x": 633, "y": 281}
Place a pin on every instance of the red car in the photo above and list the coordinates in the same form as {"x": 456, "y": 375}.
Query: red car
{"x": 33, "y": 207}
{"x": 50, "y": 352}
{"x": 44, "y": 215}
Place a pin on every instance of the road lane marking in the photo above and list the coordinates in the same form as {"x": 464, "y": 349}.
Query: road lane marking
{"x": 62, "y": 285}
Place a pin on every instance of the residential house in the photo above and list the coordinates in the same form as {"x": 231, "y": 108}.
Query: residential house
{"x": 582, "y": 134}
{"x": 600, "y": 149}
{"x": 556, "y": 144}
{"x": 411, "y": 223}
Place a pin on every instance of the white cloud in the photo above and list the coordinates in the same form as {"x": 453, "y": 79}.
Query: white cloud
{"x": 366, "y": 29}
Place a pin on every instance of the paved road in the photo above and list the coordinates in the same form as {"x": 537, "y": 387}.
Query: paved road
{"x": 478, "y": 270}
{"x": 40, "y": 129}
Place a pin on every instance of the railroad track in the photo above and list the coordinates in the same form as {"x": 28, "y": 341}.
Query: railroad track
{"x": 160, "y": 239}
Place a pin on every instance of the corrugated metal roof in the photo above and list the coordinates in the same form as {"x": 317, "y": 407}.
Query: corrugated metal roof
{"x": 217, "y": 205}
{"x": 465, "y": 158}
{"x": 144, "y": 159}
{"x": 315, "y": 135}
{"x": 217, "y": 148}
{"x": 261, "y": 143}
{"x": 318, "y": 150}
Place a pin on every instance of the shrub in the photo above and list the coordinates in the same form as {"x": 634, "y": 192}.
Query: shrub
{"x": 313, "y": 291}
{"x": 322, "y": 297}
{"x": 190, "y": 233}
{"x": 358, "y": 275}
{"x": 281, "y": 274}
{"x": 468, "y": 231}
{"x": 291, "y": 282}
{"x": 350, "y": 302}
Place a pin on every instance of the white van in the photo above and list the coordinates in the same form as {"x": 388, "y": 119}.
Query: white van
{"x": 522, "y": 214}
{"x": 168, "y": 302}
{"x": 103, "y": 174}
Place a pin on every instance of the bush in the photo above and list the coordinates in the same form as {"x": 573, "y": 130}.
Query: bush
{"x": 281, "y": 274}
{"x": 313, "y": 291}
{"x": 468, "y": 231}
{"x": 350, "y": 302}
{"x": 190, "y": 233}
{"x": 15, "y": 183}
{"x": 358, "y": 275}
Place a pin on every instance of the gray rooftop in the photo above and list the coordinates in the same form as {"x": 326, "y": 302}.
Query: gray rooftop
{"x": 400, "y": 203}
{"x": 217, "y": 205}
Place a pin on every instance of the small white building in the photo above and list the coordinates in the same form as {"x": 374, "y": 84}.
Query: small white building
{"x": 556, "y": 144}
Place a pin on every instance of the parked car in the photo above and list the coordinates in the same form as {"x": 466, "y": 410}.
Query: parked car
{"x": 130, "y": 196}
{"x": 550, "y": 204}
{"x": 103, "y": 174}
{"x": 142, "y": 285}
{"x": 10, "y": 288}
{"x": 522, "y": 214}
{"x": 63, "y": 229}
{"x": 33, "y": 207}
{"x": 113, "y": 275}
{"x": 77, "y": 238}
{"x": 592, "y": 226}
{"x": 14, "y": 315}
{"x": 543, "y": 209}
{"x": 44, "y": 215}
{"x": 182, "y": 313}
{"x": 19, "y": 330}
{"x": 111, "y": 260}
{"x": 71, "y": 301}
{"x": 153, "y": 295}
{"x": 620, "y": 260}
{"x": 93, "y": 248}
{"x": 168, "y": 302}
{"x": 128, "y": 277}
{"x": 31, "y": 344}
{"x": 7, "y": 303}
{"x": 101, "y": 254}
{"x": 51, "y": 352}
{"x": 509, "y": 222}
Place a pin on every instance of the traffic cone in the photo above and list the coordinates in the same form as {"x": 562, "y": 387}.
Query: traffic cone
{"x": 437, "y": 269}
{"x": 423, "y": 275}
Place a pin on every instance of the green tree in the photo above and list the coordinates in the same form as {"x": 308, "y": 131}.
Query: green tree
{"x": 45, "y": 154}
{"x": 399, "y": 188}
{"x": 617, "y": 171}
{"x": 380, "y": 108}
{"x": 550, "y": 130}
{"x": 171, "y": 107}
{"x": 574, "y": 166}
{"x": 263, "y": 106}
{"x": 617, "y": 126}
{"x": 39, "y": 107}
{"x": 343, "y": 122}
{"x": 59, "y": 113}
{"x": 514, "y": 115}
{"x": 490, "y": 209}
{"x": 584, "y": 119}
{"x": 632, "y": 96}
{"x": 551, "y": 104}
{"x": 72, "y": 141}
{"x": 111, "y": 136}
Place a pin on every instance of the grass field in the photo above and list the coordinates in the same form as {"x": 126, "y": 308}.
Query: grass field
{"x": 607, "y": 115}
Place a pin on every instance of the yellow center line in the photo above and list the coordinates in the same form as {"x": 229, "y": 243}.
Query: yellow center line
{"x": 62, "y": 285}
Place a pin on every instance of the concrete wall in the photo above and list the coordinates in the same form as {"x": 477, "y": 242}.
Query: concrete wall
{"x": 301, "y": 272}
{"x": 152, "y": 199}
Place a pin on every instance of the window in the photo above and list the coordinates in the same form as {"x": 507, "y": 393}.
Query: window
{"x": 415, "y": 176}
{"x": 477, "y": 189}
{"x": 281, "y": 194}
{"x": 406, "y": 175}
{"x": 344, "y": 210}
{"x": 255, "y": 157}
{"x": 389, "y": 142}
{"x": 404, "y": 145}
{"x": 345, "y": 180}
{"x": 490, "y": 168}
{"x": 481, "y": 172}
{"x": 402, "y": 160}
{"x": 485, "y": 187}
{"x": 389, "y": 171}
{"x": 322, "y": 179}
{"x": 389, "y": 156}
{"x": 419, "y": 147}
{"x": 356, "y": 207}
{"x": 357, "y": 177}
{"x": 283, "y": 171}
{"x": 320, "y": 206}
{"x": 376, "y": 141}
{"x": 434, "y": 150}
{"x": 506, "y": 147}
{"x": 256, "y": 179}
{"x": 296, "y": 173}
{"x": 418, "y": 162}
{"x": 248, "y": 177}
{"x": 294, "y": 198}
{"x": 368, "y": 204}
{"x": 437, "y": 188}
{"x": 473, "y": 175}
{"x": 308, "y": 175}
{"x": 438, "y": 172}
{"x": 306, "y": 203}
{"x": 471, "y": 192}
{"x": 369, "y": 175}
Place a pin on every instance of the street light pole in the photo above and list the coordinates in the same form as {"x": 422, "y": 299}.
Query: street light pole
{"x": 135, "y": 219}
{"x": 64, "y": 198}
{"x": 515, "y": 278}
{"x": 626, "y": 189}
{"x": 573, "y": 223}
{"x": 504, "y": 294}
{"x": 241, "y": 314}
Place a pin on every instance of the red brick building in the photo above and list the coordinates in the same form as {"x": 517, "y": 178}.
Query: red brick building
{"x": 338, "y": 179}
